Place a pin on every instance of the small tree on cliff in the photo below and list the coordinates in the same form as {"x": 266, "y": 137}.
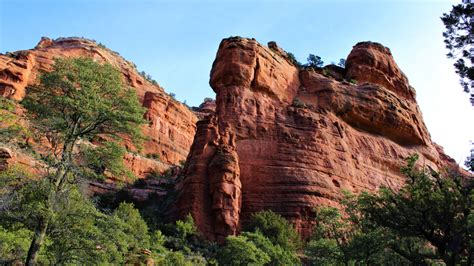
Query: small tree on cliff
{"x": 79, "y": 99}
{"x": 314, "y": 61}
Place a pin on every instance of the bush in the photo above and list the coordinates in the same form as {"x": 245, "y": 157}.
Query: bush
{"x": 239, "y": 250}
{"x": 155, "y": 156}
{"x": 276, "y": 228}
{"x": 14, "y": 244}
{"x": 298, "y": 103}
{"x": 293, "y": 60}
{"x": 278, "y": 256}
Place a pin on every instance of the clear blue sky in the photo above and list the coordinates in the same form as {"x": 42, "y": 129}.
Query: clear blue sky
{"x": 176, "y": 41}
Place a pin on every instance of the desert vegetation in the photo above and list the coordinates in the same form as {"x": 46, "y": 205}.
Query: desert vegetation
{"x": 80, "y": 120}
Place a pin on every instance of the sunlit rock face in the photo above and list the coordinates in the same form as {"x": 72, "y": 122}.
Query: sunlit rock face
{"x": 290, "y": 140}
{"x": 171, "y": 125}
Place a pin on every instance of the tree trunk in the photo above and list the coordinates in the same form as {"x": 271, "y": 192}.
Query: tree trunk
{"x": 37, "y": 242}
{"x": 43, "y": 222}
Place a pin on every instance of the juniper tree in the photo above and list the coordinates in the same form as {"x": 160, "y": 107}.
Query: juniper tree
{"x": 433, "y": 208}
{"x": 79, "y": 99}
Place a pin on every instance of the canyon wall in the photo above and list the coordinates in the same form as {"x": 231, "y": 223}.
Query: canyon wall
{"x": 171, "y": 126}
{"x": 289, "y": 140}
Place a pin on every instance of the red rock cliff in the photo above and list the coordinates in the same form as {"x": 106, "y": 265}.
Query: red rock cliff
{"x": 171, "y": 125}
{"x": 290, "y": 140}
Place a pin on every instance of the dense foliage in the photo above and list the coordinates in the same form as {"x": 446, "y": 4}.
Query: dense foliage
{"x": 47, "y": 218}
{"x": 77, "y": 101}
{"x": 276, "y": 228}
{"x": 429, "y": 220}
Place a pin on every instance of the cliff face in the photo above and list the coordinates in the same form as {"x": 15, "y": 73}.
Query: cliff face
{"x": 289, "y": 140}
{"x": 171, "y": 125}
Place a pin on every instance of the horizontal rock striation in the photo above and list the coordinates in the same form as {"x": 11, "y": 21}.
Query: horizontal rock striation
{"x": 290, "y": 140}
{"x": 171, "y": 125}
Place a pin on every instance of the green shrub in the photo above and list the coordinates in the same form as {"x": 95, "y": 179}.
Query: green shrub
{"x": 155, "y": 156}
{"x": 239, "y": 250}
{"x": 298, "y": 103}
{"x": 276, "y": 228}
{"x": 293, "y": 60}
{"x": 278, "y": 256}
{"x": 14, "y": 244}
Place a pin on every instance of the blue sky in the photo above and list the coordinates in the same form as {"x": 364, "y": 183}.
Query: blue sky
{"x": 176, "y": 41}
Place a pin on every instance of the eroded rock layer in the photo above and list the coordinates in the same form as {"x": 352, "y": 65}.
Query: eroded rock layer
{"x": 171, "y": 125}
{"x": 289, "y": 140}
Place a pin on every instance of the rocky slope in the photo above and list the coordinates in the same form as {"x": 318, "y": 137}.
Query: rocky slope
{"x": 171, "y": 125}
{"x": 289, "y": 140}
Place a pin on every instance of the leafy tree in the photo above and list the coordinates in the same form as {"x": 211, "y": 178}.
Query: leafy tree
{"x": 14, "y": 243}
{"x": 133, "y": 226}
{"x": 278, "y": 256}
{"x": 342, "y": 62}
{"x": 11, "y": 127}
{"x": 77, "y": 233}
{"x": 186, "y": 227}
{"x": 430, "y": 207}
{"x": 348, "y": 239}
{"x": 294, "y": 61}
{"x": 329, "y": 243}
{"x": 108, "y": 157}
{"x": 458, "y": 36}
{"x": 208, "y": 99}
{"x": 184, "y": 237}
{"x": 79, "y": 99}
{"x": 314, "y": 61}
{"x": 239, "y": 250}
{"x": 276, "y": 228}
{"x": 470, "y": 161}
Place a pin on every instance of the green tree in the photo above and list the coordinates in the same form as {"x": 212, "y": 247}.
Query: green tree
{"x": 294, "y": 61}
{"x": 314, "y": 61}
{"x": 11, "y": 127}
{"x": 14, "y": 243}
{"x": 348, "y": 239}
{"x": 433, "y": 208}
{"x": 77, "y": 233}
{"x": 342, "y": 63}
{"x": 330, "y": 241}
{"x": 107, "y": 157}
{"x": 239, "y": 250}
{"x": 278, "y": 256}
{"x": 458, "y": 38}
{"x": 276, "y": 228}
{"x": 78, "y": 99}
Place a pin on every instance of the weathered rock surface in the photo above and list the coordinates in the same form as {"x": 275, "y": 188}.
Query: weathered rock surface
{"x": 171, "y": 124}
{"x": 207, "y": 107}
{"x": 290, "y": 140}
{"x": 5, "y": 156}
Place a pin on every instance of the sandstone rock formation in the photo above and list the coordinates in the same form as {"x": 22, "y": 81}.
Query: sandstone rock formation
{"x": 289, "y": 140}
{"x": 171, "y": 124}
{"x": 5, "y": 156}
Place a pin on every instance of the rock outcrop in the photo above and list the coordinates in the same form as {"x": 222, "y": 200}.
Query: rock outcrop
{"x": 289, "y": 140}
{"x": 171, "y": 124}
